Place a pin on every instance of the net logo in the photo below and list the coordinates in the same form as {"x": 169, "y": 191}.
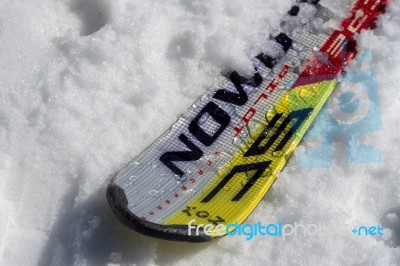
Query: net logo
{"x": 351, "y": 113}
{"x": 368, "y": 231}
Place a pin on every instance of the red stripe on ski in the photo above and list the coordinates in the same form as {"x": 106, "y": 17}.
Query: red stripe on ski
{"x": 341, "y": 46}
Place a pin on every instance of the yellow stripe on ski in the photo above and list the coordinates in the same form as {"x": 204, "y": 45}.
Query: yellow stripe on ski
{"x": 221, "y": 209}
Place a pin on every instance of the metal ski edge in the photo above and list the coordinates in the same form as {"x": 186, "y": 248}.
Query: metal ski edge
{"x": 119, "y": 205}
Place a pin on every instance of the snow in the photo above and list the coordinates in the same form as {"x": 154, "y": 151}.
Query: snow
{"x": 85, "y": 85}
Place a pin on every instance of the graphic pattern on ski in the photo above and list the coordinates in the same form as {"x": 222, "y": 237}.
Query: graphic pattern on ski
{"x": 218, "y": 161}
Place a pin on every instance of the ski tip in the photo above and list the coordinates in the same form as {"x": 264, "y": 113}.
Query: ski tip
{"x": 119, "y": 205}
{"x": 209, "y": 172}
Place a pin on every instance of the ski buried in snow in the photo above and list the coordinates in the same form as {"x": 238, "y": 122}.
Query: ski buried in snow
{"x": 218, "y": 160}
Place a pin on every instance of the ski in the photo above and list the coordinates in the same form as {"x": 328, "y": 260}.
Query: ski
{"x": 218, "y": 160}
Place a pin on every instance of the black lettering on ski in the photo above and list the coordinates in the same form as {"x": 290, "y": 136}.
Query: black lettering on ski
{"x": 219, "y": 116}
{"x": 267, "y": 60}
{"x": 259, "y": 167}
{"x": 294, "y": 11}
{"x": 193, "y": 154}
{"x": 299, "y": 116}
{"x": 217, "y": 220}
{"x": 295, "y": 119}
{"x": 284, "y": 40}
{"x": 239, "y": 98}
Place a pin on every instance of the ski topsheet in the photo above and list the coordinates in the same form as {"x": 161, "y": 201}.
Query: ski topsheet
{"x": 219, "y": 159}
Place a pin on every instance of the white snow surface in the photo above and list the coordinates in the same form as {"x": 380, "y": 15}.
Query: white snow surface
{"x": 85, "y": 85}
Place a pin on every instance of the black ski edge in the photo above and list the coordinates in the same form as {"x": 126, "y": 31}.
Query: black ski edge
{"x": 119, "y": 205}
